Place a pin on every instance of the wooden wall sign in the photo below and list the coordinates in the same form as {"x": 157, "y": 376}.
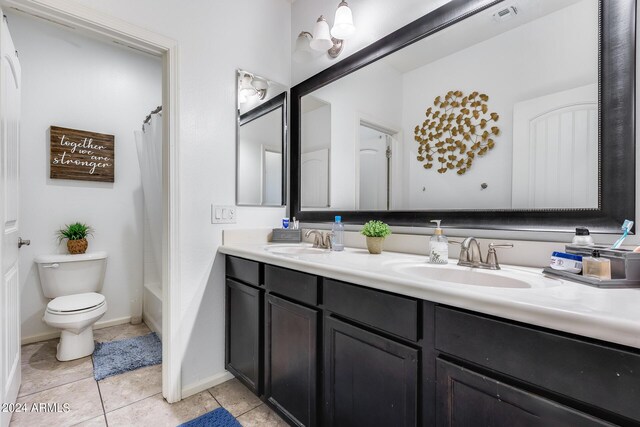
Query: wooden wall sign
{"x": 81, "y": 155}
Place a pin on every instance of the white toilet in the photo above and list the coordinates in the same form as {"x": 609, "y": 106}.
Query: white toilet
{"x": 73, "y": 281}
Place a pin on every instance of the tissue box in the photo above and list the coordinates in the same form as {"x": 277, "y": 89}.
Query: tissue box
{"x": 284, "y": 235}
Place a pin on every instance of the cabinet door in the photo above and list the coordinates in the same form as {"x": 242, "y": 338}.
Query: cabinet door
{"x": 369, "y": 380}
{"x": 244, "y": 336}
{"x": 291, "y": 359}
{"x": 465, "y": 398}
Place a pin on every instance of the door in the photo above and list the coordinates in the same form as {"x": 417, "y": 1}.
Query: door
{"x": 291, "y": 359}
{"x": 272, "y": 170}
{"x": 555, "y": 150}
{"x": 466, "y": 398}
{"x": 374, "y": 169}
{"x": 314, "y": 169}
{"x": 9, "y": 297}
{"x": 369, "y": 380}
{"x": 244, "y": 337}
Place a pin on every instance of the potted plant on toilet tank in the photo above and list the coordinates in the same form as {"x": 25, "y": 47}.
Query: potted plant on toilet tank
{"x": 375, "y": 231}
{"x": 76, "y": 235}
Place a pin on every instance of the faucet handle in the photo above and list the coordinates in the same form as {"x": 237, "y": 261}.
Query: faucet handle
{"x": 492, "y": 256}
{"x": 500, "y": 245}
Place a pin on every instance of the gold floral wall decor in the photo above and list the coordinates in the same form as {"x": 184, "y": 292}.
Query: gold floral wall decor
{"x": 455, "y": 131}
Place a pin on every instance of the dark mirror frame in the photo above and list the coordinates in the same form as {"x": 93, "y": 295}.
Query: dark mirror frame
{"x": 617, "y": 188}
{"x": 253, "y": 114}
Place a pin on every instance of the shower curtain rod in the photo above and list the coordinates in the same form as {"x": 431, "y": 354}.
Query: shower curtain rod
{"x": 148, "y": 119}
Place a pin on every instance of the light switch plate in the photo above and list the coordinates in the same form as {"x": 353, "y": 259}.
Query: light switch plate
{"x": 223, "y": 214}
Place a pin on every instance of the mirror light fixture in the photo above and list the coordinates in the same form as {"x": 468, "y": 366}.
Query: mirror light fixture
{"x": 324, "y": 39}
{"x": 250, "y": 86}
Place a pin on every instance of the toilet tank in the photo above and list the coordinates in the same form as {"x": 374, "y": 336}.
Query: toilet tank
{"x": 62, "y": 275}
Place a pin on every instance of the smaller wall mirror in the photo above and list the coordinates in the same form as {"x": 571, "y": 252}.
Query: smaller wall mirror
{"x": 260, "y": 141}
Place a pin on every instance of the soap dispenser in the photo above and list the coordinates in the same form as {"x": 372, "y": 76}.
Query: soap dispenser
{"x": 438, "y": 246}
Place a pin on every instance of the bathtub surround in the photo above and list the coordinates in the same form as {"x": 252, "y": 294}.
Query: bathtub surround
{"x": 106, "y": 88}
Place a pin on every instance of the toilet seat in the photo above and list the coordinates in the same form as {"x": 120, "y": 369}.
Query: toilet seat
{"x": 76, "y": 304}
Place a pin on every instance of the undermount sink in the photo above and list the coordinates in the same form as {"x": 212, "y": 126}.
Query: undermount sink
{"x": 463, "y": 276}
{"x": 293, "y": 250}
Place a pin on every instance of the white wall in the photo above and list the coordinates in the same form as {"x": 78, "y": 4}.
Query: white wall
{"x": 373, "y": 19}
{"x": 81, "y": 83}
{"x": 510, "y": 74}
{"x": 215, "y": 38}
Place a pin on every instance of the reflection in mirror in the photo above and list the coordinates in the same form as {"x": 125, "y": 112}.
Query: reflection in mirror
{"x": 260, "y": 145}
{"x": 498, "y": 111}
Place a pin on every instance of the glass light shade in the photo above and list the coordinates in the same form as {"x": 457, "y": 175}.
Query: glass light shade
{"x": 343, "y": 27}
{"x": 321, "y": 36}
{"x": 303, "y": 52}
{"x": 260, "y": 84}
{"x": 246, "y": 88}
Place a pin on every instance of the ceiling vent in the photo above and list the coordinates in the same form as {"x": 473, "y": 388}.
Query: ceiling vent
{"x": 505, "y": 13}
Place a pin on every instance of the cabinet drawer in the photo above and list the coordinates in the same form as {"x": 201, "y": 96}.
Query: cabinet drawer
{"x": 293, "y": 284}
{"x": 592, "y": 373}
{"x": 467, "y": 398}
{"x": 244, "y": 270}
{"x": 391, "y": 313}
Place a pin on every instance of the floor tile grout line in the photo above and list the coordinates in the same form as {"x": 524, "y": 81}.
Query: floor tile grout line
{"x": 133, "y": 403}
{"x": 104, "y": 412}
{"x": 255, "y": 407}
{"x": 55, "y": 386}
{"x": 214, "y": 398}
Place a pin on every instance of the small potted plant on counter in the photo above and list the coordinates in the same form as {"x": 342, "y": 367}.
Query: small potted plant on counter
{"x": 76, "y": 235}
{"x": 375, "y": 231}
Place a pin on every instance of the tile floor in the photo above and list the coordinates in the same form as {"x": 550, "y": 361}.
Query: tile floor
{"x": 130, "y": 399}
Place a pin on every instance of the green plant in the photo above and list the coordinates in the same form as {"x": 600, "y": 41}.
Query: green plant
{"x": 376, "y": 229}
{"x": 76, "y": 231}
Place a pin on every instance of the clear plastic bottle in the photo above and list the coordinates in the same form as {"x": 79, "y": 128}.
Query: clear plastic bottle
{"x": 337, "y": 238}
{"x": 438, "y": 246}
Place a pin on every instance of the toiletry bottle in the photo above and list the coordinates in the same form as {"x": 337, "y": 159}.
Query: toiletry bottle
{"x": 596, "y": 267}
{"x": 438, "y": 246}
{"x": 337, "y": 238}
{"x": 582, "y": 237}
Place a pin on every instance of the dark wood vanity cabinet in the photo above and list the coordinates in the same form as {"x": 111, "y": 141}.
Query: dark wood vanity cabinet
{"x": 291, "y": 344}
{"x": 466, "y": 398}
{"x": 324, "y": 352}
{"x": 369, "y": 380}
{"x": 244, "y": 333}
{"x": 291, "y": 359}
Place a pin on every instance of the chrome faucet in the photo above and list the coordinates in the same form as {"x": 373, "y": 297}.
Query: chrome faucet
{"x": 320, "y": 240}
{"x": 471, "y": 256}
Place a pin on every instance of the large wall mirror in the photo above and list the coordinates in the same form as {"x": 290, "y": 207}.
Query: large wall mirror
{"x": 515, "y": 114}
{"x": 261, "y": 141}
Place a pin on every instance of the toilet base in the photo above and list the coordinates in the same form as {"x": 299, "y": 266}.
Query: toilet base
{"x": 75, "y": 346}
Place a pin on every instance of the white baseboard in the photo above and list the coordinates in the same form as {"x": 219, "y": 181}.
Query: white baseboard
{"x": 206, "y": 383}
{"x": 56, "y": 334}
{"x": 152, "y": 324}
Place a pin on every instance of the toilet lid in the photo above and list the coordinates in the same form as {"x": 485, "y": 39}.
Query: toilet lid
{"x": 75, "y": 302}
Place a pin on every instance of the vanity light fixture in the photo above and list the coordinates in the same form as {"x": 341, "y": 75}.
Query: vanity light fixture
{"x": 324, "y": 39}
{"x": 250, "y": 86}
{"x": 303, "y": 51}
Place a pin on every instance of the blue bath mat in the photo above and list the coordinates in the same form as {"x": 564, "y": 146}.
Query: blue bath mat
{"x": 217, "y": 418}
{"x": 115, "y": 357}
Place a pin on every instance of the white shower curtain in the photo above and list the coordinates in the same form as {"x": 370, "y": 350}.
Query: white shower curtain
{"x": 149, "y": 146}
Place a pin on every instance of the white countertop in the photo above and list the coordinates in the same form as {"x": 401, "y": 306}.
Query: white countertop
{"x": 606, "y": 314}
